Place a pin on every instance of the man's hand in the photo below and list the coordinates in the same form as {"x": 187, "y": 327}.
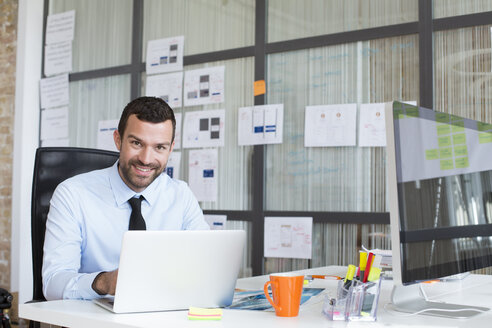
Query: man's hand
{"x": 105, "y": 283}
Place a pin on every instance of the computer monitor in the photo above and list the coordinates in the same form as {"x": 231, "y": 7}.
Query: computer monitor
{"x": 440, "y": 202}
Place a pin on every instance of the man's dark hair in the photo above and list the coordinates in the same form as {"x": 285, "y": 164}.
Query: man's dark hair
{"x": 147, "y": 109}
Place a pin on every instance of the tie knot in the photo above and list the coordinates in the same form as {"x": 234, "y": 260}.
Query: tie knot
{"x": 136, "y": 203}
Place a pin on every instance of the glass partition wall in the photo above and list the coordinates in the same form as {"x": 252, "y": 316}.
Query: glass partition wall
{"x": 312, "y": 52}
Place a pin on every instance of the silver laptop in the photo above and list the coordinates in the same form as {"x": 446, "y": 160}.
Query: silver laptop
{"x": 173, "y": 270}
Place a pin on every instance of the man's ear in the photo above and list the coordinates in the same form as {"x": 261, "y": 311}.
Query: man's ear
{"x": 172, "y": 148}
{"x": 117, "y": 139}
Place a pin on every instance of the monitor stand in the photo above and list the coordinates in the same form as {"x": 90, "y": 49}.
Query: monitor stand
{"x": 412, "y": 299}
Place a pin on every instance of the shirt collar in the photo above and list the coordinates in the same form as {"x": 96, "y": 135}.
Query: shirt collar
{"x": 122, "y": 193}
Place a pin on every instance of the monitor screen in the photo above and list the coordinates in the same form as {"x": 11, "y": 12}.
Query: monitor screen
{"x": 440, "y": 192}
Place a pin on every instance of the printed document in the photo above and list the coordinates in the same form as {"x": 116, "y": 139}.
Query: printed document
{"x": 173, "y": 164}
{"x": 372, "y": 127}
{"x": 288, "y": 237}
{"x": 60, "y": 27}
{"x": 54, "y": 123}
{"x": 216, "y": 222}
{"x": 168, "y": 87}
{"x": 105, "y": 130}
{"x": 58, "y": 58}
{"x": 165, "y": 55}
{"x": 202, "y": 168}
{"x": 259, "y": 125}
{"x": 204, "y": 129}
{"x": 54, "y": 91}
{"x": 204, "y": 86}
{"x": 330, "y": 125}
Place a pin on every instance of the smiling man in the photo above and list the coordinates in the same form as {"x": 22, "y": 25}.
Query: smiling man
{"x": 90, "y": 212}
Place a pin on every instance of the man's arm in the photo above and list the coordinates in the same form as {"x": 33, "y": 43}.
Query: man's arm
{"x": 64, "y": 238}
{"x": 105, "y": 283}
{"x": 193, "y": 214}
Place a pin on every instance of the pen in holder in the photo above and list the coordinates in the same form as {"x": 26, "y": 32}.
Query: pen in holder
{"x": 362, "y": 304}
{"x": 335, "y": 308}
{"x": 356, "y": 301}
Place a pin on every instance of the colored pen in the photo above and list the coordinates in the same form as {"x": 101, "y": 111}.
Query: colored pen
{"x": 368, "y": 266}
{"x": 349, "y": 276}
{"x": 375, "y": 268}
{"x": 362, "y": 264}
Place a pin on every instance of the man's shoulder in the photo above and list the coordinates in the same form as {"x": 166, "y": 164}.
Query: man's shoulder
{"x": 88, "y": 178}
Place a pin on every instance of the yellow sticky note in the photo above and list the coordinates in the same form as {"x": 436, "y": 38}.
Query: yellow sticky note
{"x": 459, "y": 139}
{"x": 443, "y": 129}
{"x": 196, "y": 313}
{"x": 446, "y": 152}
{"x": 444, "y": 142}
{"x": 485, "y": 137}
{"x": 461, "y": 162}
{"x": 447, "y": 164}
{"x": 259, "y": 87}
{"x": 374, "y": 274}
{"x": 460, "y": 151}
{"x": 431, "y": 154}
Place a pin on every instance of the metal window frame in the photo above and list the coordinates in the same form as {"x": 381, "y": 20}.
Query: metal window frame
{"x": 424, "y": 27}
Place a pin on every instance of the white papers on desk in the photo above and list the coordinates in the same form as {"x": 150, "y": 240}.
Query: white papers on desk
{"x": 330, "y": 125}
{"x": 204, "y": 129}
{"x": 58, "y": 58}
{"x": 165, "y": 55}
{"x": 168, "y": 87}
{"x": 203, "y": 174}
{"x": 216, "y": 222}
{"x": 54, "y": 91}
{"x": 288, "y": 237}
{"x": 105, "y": 130}
{"x": 204, "y": 86}
{"x": 372, "y": 131}
{"x": 60, "y": 27}
{"x": 259, "y": 125}
{"x": 173, "y": 164}
{"x": 54, "y": 123}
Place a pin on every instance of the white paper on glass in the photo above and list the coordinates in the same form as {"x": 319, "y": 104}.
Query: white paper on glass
{"x": 173, "y": 164}
{"x": 55, "y": 143}
{"x": 216, "y": 222}
{"x": 372, "y": 131}
{"x": 168, "y": 87}
{"x": 105, "y": 130}
{"x": 204, "y": 86}
{"x": 288, "y": 237}
{"x": 258, "y": 125}
{"x": 177, "y": 132}
{"x": 165, "y": 55}
{"x": 54, "y": 91}
{"x": 60, "y": 27}
{"x": 203, "y": 174}
{"x": 54, "y": 123}
{"x": 204, "y": 129}
{"x": 58, "y": 58}
{"x": 330, "y": 125}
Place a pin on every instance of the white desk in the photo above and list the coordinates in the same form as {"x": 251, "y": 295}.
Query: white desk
{"x": 474, "y": 290}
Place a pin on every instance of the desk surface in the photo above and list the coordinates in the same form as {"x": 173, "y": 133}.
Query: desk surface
{"x": 473, "y": 290}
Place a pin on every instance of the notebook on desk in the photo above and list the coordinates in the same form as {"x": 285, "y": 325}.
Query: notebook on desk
{"x": 173, "y": 270}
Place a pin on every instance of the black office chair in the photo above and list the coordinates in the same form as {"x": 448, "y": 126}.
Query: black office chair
{"x": 52, "y": 166}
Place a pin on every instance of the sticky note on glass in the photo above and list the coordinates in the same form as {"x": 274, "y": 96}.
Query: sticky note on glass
{"x": 196, "y": 313}
{"x": 259, "y": 87}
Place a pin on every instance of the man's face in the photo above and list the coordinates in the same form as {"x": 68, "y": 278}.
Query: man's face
{"x": 144, "y": 150}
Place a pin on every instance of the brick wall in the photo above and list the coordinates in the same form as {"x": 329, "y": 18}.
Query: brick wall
{"x": 8, "y": 46}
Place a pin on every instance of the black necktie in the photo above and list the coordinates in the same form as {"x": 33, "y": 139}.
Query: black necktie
{"x": 137, "y": 221}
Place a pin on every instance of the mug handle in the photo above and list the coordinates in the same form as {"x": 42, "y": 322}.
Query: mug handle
{"x": 267, "y": 295}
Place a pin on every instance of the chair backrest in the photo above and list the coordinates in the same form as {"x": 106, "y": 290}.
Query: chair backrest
{"x": 52, "y": 166}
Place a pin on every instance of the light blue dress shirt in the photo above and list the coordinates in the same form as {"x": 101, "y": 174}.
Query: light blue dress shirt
{"x": 88, "y": 216}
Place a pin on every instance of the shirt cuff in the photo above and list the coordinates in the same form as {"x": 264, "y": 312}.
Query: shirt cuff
{"x": 85, "y": 286}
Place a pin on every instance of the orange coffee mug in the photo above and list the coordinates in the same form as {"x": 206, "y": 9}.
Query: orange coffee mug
{"x": 286, "y": 292}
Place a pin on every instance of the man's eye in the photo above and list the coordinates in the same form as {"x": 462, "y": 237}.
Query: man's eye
{"x": 136, "y": 143}
{"x": 161, "y": 147}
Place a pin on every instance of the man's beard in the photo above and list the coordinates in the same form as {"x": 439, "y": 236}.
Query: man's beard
{"x": 135, "y": 181}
